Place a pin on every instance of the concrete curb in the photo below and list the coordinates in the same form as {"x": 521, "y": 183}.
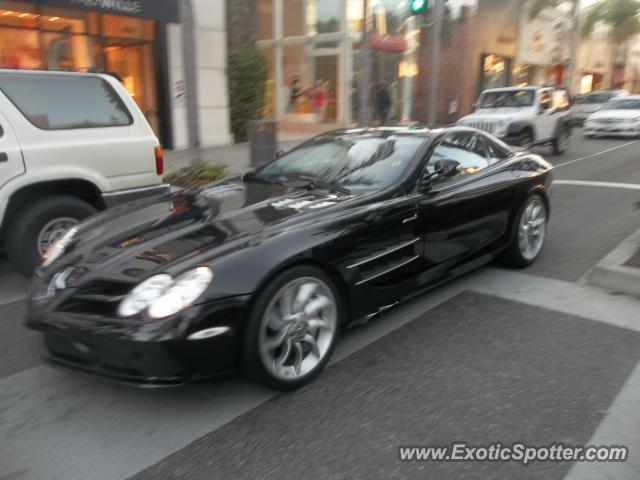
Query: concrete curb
{"x": 612, "y": 273}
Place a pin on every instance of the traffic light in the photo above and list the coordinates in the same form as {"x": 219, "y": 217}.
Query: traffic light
{"x": 418, "y": 7}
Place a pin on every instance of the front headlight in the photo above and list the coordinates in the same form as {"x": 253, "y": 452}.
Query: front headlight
{"x": 186, "y": 290}
{"x": 163, "y": 295}
{"x": 56, "y": 249}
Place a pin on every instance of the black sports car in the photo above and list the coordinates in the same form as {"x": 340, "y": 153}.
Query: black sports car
{"x": 263, "y": 271}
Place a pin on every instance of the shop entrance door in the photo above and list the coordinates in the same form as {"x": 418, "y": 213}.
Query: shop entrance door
{"x": 133, "y": 62}
{"x": 326, "y": 75}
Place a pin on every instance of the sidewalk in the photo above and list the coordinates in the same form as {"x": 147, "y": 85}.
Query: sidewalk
{"x": 235, "y": 157}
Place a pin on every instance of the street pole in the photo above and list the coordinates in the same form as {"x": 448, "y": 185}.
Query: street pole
{"x": 189, "y": 68}
{"x": 434, "y": 71}
{"x": 363, "y": 110}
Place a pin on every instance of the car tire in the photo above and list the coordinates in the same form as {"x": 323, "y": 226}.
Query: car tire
{"x": 25, "y": 232}
{"x": 279, "y": 325}
{"x": 525, "y": 224}
{"x": 561, "y": 142}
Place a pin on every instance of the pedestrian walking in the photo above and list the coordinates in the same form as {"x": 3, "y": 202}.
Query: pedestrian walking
{"x": 383, "y": 103}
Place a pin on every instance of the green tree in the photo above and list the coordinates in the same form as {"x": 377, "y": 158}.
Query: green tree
{"x": 623, "y": 16}
{"x": 248, "y": 71}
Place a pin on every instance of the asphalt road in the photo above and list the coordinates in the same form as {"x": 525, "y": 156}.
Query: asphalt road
{"x": 533, "y": 356}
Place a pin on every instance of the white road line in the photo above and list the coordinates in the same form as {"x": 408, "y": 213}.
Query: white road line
{"x": 586, "y": 183}
{"x": 595, "y": 154}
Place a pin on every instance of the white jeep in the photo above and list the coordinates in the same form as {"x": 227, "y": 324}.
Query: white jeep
{"x": 524, "y": 116}
{"x": 70, "y": 144}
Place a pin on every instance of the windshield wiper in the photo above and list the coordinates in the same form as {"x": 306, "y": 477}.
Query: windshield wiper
{"x": 309, "y": 182}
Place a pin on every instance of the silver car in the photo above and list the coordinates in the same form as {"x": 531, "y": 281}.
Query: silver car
{"x": 584, "y": 105}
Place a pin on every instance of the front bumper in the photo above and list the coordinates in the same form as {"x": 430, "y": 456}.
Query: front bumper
{"x": 111, "y": 199}
{"x": 617, "y": 129}
{"x": 159, "y": 354}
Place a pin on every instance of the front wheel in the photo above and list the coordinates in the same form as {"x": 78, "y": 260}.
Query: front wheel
{"x": 38, "y": 225}
{"x": 293, "y": 327}
{"x": 529, "y": 232}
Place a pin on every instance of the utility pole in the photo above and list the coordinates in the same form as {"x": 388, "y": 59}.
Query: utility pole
{"x": 434, "y": 70}
{"x": 363, "y": 110}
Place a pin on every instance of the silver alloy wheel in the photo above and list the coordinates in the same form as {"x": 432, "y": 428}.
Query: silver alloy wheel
{"x": 298, "y": 328}
{"x": 52, "y": 232}
{"x": 532, "y": 229}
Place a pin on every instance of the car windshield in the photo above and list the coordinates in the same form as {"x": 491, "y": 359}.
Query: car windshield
{"x": 356, "y": 162}
{"x": 622, "y": 104}
{"x": 600, "y": 97}
{"x": 508, "y": 98}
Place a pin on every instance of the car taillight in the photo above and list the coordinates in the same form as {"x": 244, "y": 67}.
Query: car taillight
{"x": 159, "y": 161}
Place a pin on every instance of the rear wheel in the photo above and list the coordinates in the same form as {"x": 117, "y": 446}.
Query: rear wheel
{"x": 293, "y": 327}
{"x": 529, "y": 232}
{"x": 40, "y": 224}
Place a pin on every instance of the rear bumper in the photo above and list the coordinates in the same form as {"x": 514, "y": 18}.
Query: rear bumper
{"x": 119, "y": 197}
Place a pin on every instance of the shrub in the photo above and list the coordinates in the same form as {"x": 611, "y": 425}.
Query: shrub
{"x": 199, "y": 174}
{"x": 248, "y": 70}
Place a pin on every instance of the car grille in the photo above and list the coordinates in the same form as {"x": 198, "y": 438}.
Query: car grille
{"x": 100, "y": 297}
{"x": 484, "y": 125}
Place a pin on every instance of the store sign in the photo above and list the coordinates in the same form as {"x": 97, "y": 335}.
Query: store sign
{"x": 544, "y": 39}
{"x": 163, "y": 10}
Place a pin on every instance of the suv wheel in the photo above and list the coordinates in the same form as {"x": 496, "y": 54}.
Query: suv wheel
{"x": 561, "y": 142}
{"x": 40, "y": 223}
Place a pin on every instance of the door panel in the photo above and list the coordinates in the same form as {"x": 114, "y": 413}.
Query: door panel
{"x": 384, "y": 253}
{"x": 11, "y": 162}
{"x": 466, "y": 216}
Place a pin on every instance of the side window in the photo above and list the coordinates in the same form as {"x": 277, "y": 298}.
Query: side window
{"x": 545, "y": 99}
{"x": 560, "y": 100}
{"x": 496, "y": 152}
{"x": 466, "y": 148}
{"x": 60, "y": 102}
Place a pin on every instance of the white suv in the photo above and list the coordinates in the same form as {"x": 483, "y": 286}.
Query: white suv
{"x": 524, "y": 116}
{"x": 70, "y": 144}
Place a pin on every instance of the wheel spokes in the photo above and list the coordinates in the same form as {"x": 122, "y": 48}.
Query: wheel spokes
{"x": 319, "y": 303}
{"x": 284, "y": 354}
{"x": 315, "y": 324}
{"x": 304, "y": 295}
{"x": 299, "y": 356}
{"x": 311, "y": 341}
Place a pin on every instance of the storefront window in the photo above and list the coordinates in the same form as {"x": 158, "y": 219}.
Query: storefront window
{"x": 264, "y": 19}
{"x": 323, "y": 16}
{"x": 495, "y": 71}
{"x": 294, "y": 18}
{"x": 270, "y": 88}
{"x": 19, "y": 49}
{"x": 298, "y": 82}
{"x": 62, "y": 20}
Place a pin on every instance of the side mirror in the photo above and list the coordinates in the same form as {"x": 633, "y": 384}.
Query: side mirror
{"x": 443, "y": 169}
{"x": 279, "y": 153}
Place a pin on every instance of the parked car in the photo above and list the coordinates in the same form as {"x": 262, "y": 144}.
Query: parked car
{"x": 588, "y": 103}
{"x": 618, "y": 117}
{"x": 265, "y": 270}
{"x": 524, "y": 116}
{"x": 71, "y": 144}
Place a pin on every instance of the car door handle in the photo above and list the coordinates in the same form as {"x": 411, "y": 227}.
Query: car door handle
{"x": 412, "y": 218}
{"x": 4, "y": 157}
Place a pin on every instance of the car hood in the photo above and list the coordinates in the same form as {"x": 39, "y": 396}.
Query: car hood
{"x": 138, "y": 239}
{"x": 586, "y": 107}
{"x": 615, "y": 114}
{"x": 495, "y": 114}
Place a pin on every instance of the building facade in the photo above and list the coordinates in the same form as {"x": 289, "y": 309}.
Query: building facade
{"x": 314, "y": 46}
{"x": 140, "y": 42}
